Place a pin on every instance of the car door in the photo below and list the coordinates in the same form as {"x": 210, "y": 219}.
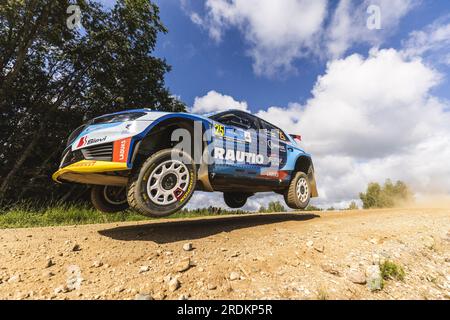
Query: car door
{"x": 273, "y": 141}
{"x": 235, "y": 146}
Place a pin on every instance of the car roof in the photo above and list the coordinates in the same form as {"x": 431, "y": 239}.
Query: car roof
{"x": 210, "y": 114}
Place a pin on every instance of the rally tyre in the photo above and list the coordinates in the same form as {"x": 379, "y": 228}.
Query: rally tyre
{"x": 163, "y": 184}
{"x": 298, "y": 194}
{"x": 235, "y": 199}
{"x": 109, "y": 199}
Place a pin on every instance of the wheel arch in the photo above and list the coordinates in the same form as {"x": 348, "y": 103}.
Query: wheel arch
{"x": 304, "y": 164}
{"x": 158, "y": 136}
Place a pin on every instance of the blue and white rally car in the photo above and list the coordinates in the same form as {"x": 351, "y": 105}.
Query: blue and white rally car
{"x": 153, "y": 161}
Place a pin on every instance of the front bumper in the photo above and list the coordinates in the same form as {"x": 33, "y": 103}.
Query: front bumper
{"x": 92, "y": 172}
{"x": 101, "y": 164}
{"x": 100, "y": 153}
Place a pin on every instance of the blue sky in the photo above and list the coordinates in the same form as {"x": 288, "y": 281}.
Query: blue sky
{"x": 371, "y": 104}
{"x": 200, "y": 64}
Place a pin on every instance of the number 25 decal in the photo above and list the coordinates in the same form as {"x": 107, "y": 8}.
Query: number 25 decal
{"x": 219, "y": 130}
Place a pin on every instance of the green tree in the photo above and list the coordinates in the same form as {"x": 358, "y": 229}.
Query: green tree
{"x": 275, "y": 206}
{"x": 372, "y": 198}
{"x": 312, "y": 208}
{"x": 353, "y": 206}
{"x": 387, "y": 196}
{"x": 53, "y": 78}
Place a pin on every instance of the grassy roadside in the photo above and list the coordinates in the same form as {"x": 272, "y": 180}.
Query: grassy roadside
{"x": 23, "y": 216}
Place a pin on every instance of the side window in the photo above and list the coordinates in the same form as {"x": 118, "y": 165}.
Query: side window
{"x": 232, "y": 119}
{"x": 253, "y": 121}
{"x": 276, "y": 140}
{"x": 238, "y": 119}
{"x": 273, "y": 130}
{"x": 265, "y": 125}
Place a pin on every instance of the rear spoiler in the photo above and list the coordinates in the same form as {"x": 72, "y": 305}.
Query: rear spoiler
{"x": 297, "y": 138}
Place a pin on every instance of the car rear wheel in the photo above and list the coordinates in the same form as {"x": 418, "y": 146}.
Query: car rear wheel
{"x": 163, "y": 184}
{"x": 298, "y": 194}
{"x": 235, "y": 199}
{"x": 109, "y": 199}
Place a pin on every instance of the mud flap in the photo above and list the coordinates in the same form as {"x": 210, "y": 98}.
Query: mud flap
{"x": 312, "y": 182}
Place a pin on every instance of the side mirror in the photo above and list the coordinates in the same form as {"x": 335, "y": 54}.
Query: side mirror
{"x": 297, "y": 138}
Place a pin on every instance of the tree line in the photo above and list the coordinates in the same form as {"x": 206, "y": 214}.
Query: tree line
{"x": 378, "y": 196}
{"x": 386, "y": 196}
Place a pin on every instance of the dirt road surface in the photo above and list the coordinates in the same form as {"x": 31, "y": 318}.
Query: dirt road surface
{"x": 317, "y": 255}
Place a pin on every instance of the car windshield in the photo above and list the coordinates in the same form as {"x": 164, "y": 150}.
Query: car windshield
{"x": 211, "y": 114}
{"x": 234, "y": 118}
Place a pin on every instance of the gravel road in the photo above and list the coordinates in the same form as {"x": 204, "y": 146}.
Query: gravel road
{"x": 314, "y": 255}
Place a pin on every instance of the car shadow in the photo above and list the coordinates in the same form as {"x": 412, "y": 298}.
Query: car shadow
{"x": 191, "y": 229}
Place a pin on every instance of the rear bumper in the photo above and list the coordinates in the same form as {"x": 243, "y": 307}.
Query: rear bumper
{"x": 92, "y": 172}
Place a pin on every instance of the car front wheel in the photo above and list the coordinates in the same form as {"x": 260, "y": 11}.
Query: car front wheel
{"x": 163, "y": 184}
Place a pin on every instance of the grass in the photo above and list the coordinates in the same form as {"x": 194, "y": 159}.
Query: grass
{"x": 391, "y": 270}
{"x": 25, "y": 216}
{"x": 22, "y": 217}
{"x": 322, "y": 294}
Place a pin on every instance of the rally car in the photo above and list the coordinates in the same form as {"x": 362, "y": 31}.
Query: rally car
{"x": 153, "y": 161}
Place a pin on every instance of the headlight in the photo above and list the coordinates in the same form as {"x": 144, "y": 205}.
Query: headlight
{"x": 121, "y": 117}
{"x": 75, "y": 134}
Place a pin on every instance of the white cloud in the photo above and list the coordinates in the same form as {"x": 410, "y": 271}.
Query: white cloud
{"x": 195, "y": 18}
{"x": 433, "y": 41}
{"x": 279, "y": 32}
{"x": 214, "y": 101}
{"x": 254, "y": 203}
{"x": 349, "y": 23}
{"x": 370, "y": 119}
{"x": 276, "y": 31}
